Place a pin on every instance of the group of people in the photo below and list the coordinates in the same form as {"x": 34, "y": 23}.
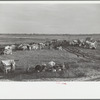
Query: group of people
{"x": 49, "y": 67}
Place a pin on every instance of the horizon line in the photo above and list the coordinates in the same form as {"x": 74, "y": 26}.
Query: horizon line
{"x": 49, "y": 34}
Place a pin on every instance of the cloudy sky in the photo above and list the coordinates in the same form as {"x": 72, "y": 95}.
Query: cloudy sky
{"x": 50, "y": 18}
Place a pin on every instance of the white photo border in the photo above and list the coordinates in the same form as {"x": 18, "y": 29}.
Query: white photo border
{"x": 49, "y": 90}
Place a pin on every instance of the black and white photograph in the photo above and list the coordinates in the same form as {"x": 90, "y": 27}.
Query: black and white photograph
{"x": 49, "y": 42}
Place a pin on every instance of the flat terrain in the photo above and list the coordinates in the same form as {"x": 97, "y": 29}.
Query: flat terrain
{"x": 81, "y": 68}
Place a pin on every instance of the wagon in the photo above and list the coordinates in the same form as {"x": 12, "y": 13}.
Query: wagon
{"x": 7, "y": 66}
{"x": 5, "y": 69}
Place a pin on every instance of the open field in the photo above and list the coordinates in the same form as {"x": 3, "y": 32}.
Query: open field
{"x": 80, "y": 67}
{"x": 27, "y": 38}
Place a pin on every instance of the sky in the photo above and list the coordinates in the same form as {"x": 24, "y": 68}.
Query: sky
{"x": 50, "y": 18}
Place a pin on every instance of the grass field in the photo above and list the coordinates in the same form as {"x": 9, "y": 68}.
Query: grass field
{"x": 26, "y": 38}
{"x": 79, "y": 67}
